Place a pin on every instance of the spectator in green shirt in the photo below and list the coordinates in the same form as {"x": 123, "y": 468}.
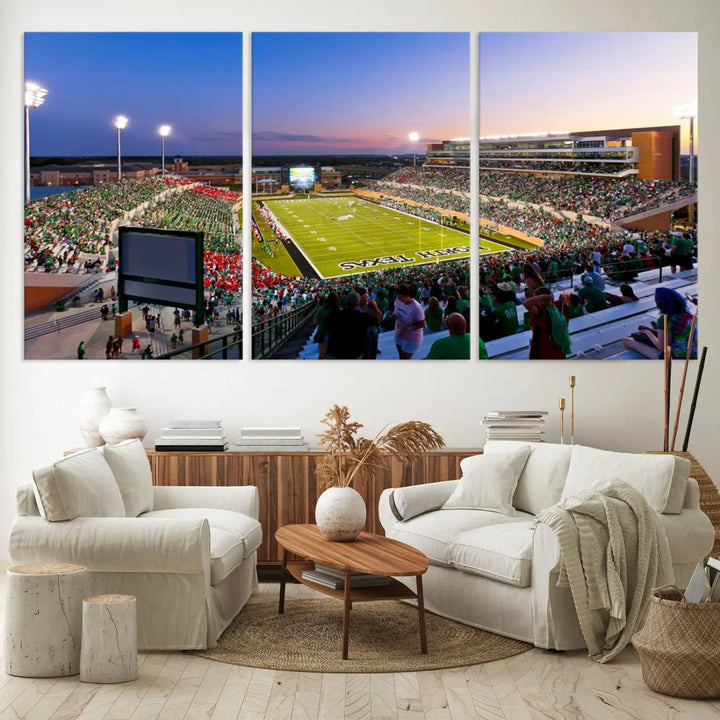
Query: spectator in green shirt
{"x": 433, "y": 315}
{"x": 591, "y": 296}
{"x": 681, "y": 253}
{"x": 456, "y": 346}
{"x": 505, "y": 309}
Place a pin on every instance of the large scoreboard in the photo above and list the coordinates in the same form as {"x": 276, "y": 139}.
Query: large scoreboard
{"x": 302, "y": 178}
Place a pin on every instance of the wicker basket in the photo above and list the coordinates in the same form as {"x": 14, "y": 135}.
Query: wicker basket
{"x": 679, "y": 646}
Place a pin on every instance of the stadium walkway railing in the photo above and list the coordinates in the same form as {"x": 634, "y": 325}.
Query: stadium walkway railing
{"x": 272, "y": 333}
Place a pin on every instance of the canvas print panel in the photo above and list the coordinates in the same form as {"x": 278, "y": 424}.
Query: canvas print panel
{"x": 588, "y": 177}
{"x": 126, "y": 133}
{"x": 361, "y": 195}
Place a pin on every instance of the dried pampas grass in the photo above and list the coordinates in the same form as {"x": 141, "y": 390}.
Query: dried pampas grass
{"x": 355, "y": 458}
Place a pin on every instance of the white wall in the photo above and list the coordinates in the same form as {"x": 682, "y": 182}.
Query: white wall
{"x": 618, "y": 404}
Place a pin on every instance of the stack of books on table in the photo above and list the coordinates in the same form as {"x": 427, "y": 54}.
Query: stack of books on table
{"x": 192, "y": 436}
{"x": 334, "y": 578}
{"x": 519, "y": 425}
{"x": 270, "y": 438}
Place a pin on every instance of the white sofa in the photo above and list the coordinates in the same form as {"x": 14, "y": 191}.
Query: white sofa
{"x": 491, "y": 568}
{"x": 187, "y": 553}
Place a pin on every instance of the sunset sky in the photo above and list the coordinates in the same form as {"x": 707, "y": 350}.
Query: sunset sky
{"x": 190, "y": 81}
{"x": 324, "y": 93}
{"x": 585, "y": 81}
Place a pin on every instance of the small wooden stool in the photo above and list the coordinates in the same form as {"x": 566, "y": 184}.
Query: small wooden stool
{"x": 109, "y": 639}
{"x": 43, "y": 619}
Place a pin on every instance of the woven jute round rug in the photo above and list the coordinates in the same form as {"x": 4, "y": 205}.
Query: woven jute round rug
{"x": 384, "y": 637}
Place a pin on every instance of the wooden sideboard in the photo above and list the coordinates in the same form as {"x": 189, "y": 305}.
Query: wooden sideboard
{"x": 287, "y": 484}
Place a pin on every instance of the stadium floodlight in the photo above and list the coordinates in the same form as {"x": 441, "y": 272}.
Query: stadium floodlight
{"x": 685, "y": 112}
{"x": 164, "y": 131}
{"x": 34, "y": 98}
{"x": 414, "y": 137}
{"x": 120, "y": 123}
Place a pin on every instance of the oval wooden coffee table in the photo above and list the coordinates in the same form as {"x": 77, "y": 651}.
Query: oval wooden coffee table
{"x": 369, "y": 553}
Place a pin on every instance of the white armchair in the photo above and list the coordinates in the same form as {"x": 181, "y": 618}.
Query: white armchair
{"x": 190, "y": 560}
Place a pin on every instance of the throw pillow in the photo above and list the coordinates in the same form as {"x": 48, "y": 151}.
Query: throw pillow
{"x": 661, "y": 479}
{"x": 541, "y": 482}
{"x": 131, "y": 468}
{"x": 488, "y": 482}
{"x": 79, "y": 485}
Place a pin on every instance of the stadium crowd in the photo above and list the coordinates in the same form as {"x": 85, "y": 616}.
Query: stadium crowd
{"x": 58, "y": 228}
{"x": 608, "y": 199}
{"x": 568, "y": 166}
{"x": 200, "y": 208}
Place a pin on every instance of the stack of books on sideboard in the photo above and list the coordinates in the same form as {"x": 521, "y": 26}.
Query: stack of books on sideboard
{"x": 527, "y": 425}
{"x": 192, "y": 436}
{"x": 265, "y": 439}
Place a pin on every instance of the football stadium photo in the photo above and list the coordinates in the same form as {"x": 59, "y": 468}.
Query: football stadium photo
{"x": 360, "y": 197}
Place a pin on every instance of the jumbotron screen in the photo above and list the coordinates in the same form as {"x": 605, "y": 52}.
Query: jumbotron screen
{"x": 302, "y": 178}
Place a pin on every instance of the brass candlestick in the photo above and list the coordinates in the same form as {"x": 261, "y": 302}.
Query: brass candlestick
{"x": 572, "y": 409}
{"x": 561, "y": 405}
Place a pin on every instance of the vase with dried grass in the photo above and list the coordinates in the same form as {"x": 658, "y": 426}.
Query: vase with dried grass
{"x": 340, "y": 510}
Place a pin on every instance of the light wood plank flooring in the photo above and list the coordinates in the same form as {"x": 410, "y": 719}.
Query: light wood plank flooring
{"x": 536, "y": 685}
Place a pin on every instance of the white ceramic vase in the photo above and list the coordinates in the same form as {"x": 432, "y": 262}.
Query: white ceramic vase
{"x": 122, "y": 424}
{"x": 96, "y": 405}
{"x": 340, "y": 513}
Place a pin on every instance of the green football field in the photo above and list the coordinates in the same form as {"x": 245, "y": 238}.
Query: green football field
{"x": 346, "y": 235}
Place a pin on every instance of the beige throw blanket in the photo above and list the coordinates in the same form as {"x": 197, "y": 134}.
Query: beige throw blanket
{"x": 614, "y": 552}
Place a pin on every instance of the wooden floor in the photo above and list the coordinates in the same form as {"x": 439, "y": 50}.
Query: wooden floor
{"x": 178, "y": 686}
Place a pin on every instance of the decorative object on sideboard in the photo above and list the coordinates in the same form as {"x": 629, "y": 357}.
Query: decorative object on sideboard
{"x": 192, "y": 436}
{"x": 122, "y": 424}
{"x": 561, "y": 406}
{"x": 96, "y": 404}
{"x": 352, "y": 458}
{"x": 572, "y": 409}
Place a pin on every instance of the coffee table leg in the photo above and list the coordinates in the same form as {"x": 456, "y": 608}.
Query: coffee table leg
{"x": 346, "y": 615}
{"x": 421, "y": 615}
{"x": 283, "y": 571}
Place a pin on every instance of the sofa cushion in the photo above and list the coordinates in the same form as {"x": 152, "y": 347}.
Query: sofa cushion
{"x": 488, "y": 482}
{"x": 79, "y": 485}
{"x": 541, "y": 481}
{"x": 433, "y": 533}
{"x": 233, "y": 536}
{"x": 131, "y": 468}
{"x": 659, "y": 478}
{"x": 502, "y": 552}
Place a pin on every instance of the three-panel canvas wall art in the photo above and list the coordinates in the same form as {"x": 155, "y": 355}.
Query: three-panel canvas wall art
{"x": 388, "y": 218}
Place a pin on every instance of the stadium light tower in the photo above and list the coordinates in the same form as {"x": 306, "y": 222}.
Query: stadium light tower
{"x": 414, "y": 137}
{"x": 120, "y": 123}
{"x": 689, "y": 111}
{"x": 34, "y": 97}
{"x": 164, "y": 132}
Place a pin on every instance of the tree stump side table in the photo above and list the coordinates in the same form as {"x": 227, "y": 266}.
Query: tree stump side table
{"x": 109, "y": 639}
{"x": 43, "y": 619}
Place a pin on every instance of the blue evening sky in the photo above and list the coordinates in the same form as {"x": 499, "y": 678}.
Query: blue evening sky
{"x": 190, "y": 81}
{"x": 325, "y": 93}
{"x": 532, "y": 82}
